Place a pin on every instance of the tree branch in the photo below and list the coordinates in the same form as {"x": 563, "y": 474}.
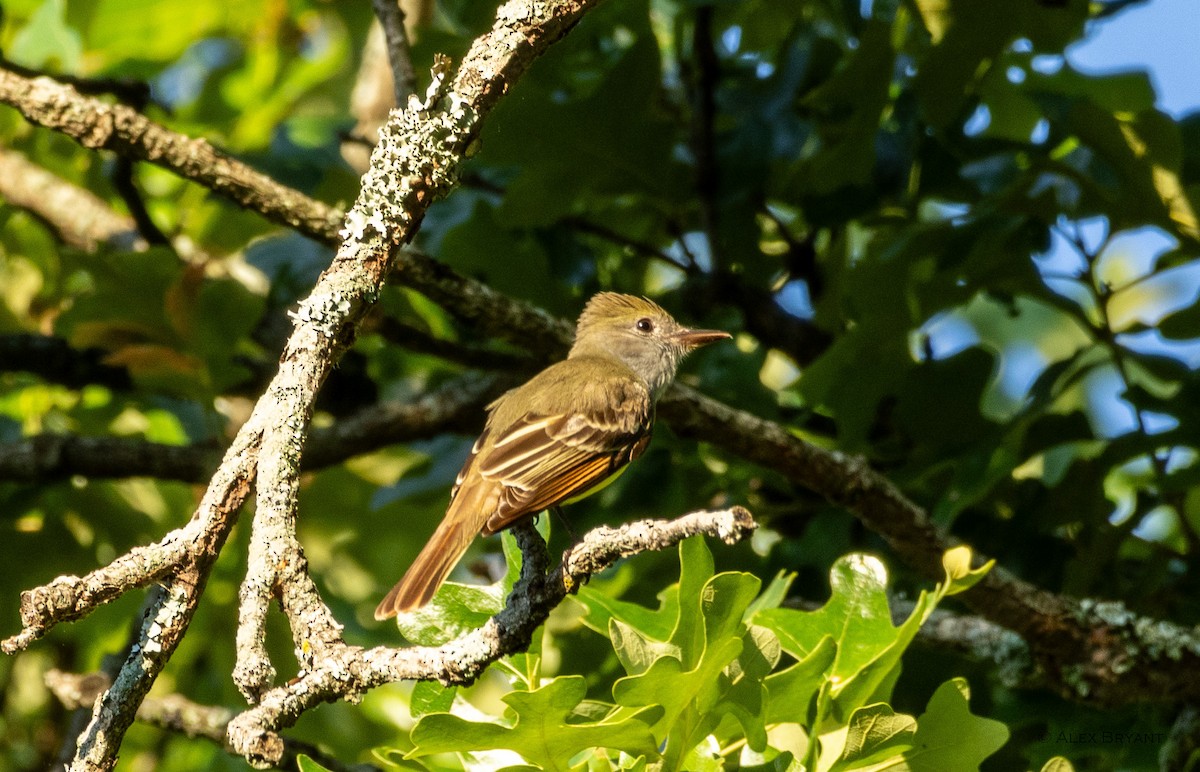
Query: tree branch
{"x": 126, "y": 187}
{"x": 391, "y": 19}
{"x": 98, "y": 125}
{"x": 80, "y": 218}
{"x": 351, "y": 670}
{"x": 176, "y": 713}
{"x": 52, "y": 359}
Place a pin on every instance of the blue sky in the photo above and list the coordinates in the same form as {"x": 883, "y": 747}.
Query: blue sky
{"x": 1159, "y": 36}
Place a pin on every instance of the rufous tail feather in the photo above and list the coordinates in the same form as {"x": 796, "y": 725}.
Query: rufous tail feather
{"x": 426, "y": 574}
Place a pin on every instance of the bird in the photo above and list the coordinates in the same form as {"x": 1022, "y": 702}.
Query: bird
{"x": 562, "y": 435}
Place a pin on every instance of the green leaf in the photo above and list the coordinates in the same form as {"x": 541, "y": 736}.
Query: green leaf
{"x": 599, "y": 136}
{"x": 668, "y": 623}
{"x": 667, "y": 685}
{"x": 708, "y": 637}
{"x": 859, "y": 621}
{"x": 431, "y": 697}
{"x": 460, "y": 608}
{"x": 455, "y": 609}
{"x": 695, "y": 572}
{"x": 1058, "y": 764}
{"x": 636, "y": 650}
{"x": 1184, "y": 324}
{"x": 856, "y": 616}
{"x": 967, "y": 34}
{"x": 157, "y": 29}
{"x": 960, "y": 577}
{"x": 852, "y": 103}
{"x": 224, "y": 314}
{"x": 306, "y": 764}
{"x": 46, "y": 39}
{"x": 949, "y": 736}
{"x": 793, "y": 689}
{"x": 774, "y": 595}
{"x": 540, "y": 731}
{"x": 697, "y": 677}
{"x": 602, "y": 609}
{"x": 875, "y": 733}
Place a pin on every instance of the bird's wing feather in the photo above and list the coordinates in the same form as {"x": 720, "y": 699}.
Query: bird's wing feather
{"x": 542, "y": 460}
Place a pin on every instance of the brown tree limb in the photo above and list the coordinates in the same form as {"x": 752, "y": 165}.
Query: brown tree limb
{"x": 79, "y": 217}
{"x": 98, "y": 125}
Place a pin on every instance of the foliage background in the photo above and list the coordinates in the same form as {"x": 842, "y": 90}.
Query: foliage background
{"x": 920, "y": 221}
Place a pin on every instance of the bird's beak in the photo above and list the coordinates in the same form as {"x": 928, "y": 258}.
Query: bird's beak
{"x": 690, "y": 339}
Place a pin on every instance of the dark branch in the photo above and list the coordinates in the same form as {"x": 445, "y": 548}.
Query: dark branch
{"x": 457, "y": 406}
{"x": 391, "y": 18}
{"x": 52, "y": 359}
{"x": 123, "y": 183}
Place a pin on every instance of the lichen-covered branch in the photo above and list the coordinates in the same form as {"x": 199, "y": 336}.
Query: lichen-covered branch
{"x": 415, "y": 162}
{"x": 176, "y": 713}
{"x": 163, "y": 628}
{"x": 350, "y": 670}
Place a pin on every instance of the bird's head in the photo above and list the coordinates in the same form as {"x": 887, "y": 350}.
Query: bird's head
{"x": 639, "y": 333}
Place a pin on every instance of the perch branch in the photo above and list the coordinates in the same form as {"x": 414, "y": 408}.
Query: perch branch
{"x": 351, "y": 670}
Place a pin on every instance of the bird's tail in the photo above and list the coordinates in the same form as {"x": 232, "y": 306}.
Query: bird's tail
{"x": 435, "y": 561}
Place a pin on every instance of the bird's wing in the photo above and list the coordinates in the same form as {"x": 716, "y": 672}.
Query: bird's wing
{"x": 543, "y": 460}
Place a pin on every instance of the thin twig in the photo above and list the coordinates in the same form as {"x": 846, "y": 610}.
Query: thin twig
{"x": 391, "y": 18}
{"x": 123, "y": 183}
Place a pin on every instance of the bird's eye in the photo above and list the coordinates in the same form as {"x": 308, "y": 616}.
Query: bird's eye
{"x": 644, "y": 325}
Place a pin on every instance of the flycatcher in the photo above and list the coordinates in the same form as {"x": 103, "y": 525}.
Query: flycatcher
{"x": 561, "y": 435}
